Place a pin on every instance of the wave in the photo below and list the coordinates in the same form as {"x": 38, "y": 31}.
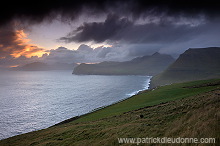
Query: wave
{"x": 145, "y": 87}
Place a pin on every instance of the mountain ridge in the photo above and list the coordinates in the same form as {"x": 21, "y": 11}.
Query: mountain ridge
{"x": 145, "y": 65}
{"x": 193, "y": 64}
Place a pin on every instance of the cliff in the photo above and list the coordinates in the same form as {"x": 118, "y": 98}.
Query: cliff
{"x": 193, "y": 64}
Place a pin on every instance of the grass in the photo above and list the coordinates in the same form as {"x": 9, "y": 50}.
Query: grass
{"x": 180, "y": 110}
{"x": 149, "y": 98}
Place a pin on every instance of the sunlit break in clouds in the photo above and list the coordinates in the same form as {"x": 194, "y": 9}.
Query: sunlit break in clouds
{"x": 27, "y": 50}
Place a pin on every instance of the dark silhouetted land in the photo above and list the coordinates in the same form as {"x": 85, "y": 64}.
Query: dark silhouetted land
{"x": 146, "y": 65}
{"x": 193, "y": 64}
{"x": 40, "y": 66}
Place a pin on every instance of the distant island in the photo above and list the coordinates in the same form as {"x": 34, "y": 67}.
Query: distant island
{"x": 40, "y": 66}
{"x": 146, "y": 65}
{"x": 193, "y": 64}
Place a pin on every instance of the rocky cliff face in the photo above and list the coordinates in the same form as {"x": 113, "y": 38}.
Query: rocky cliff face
{"x": 193, "y": 64}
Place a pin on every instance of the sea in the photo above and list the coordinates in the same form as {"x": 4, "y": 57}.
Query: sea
{"x": 34, "y": 100}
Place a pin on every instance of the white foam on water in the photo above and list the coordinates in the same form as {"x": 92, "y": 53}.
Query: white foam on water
{"x": 145, "y": 87}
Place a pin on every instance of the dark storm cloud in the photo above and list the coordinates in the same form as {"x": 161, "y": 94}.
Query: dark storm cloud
{"x": 98, "y": 32}
{"x": 116, "y": 28}
{"x": 167, "y": 36}
{"x": 37, "y": 11}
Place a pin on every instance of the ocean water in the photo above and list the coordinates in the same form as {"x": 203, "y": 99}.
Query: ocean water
{"x": 31, "y": 101}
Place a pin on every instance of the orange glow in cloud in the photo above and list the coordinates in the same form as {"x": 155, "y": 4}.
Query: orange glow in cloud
{"x": 13, "y": 66}
{"x": 25, "y": 49}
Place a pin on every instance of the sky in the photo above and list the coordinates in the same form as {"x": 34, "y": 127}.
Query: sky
{"x": 92, "y": 31}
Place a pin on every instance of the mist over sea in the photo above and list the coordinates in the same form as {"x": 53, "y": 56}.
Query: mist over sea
{"x": 35, "y": 100}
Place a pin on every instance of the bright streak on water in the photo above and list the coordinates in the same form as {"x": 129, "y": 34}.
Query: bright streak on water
{"x": 31, "y": 101}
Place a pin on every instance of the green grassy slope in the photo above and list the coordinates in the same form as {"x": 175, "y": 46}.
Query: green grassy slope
{"x": 186, "y": 110}
{"x": 148, "y": 98}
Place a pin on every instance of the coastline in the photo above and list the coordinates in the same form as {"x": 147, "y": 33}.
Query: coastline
{"x": 147, "y": 87}
{"x": 139, "y": 94}
{"x": 143, "y": 85}
{"x": 142, "y": 113}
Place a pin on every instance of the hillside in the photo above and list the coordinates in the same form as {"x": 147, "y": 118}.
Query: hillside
{"x": 40, "y": 66}
{"x": 146, "y": 65}
{"x": 193, "y": 64}
{"x": 181, "y": 110}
